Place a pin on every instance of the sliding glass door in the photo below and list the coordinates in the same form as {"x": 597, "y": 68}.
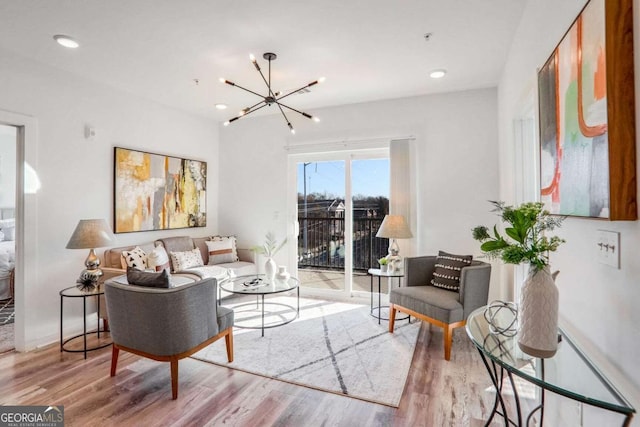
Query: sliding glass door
{"x": 341, "y": 201}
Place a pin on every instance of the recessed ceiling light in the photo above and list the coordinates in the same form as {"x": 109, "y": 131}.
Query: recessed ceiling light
{"x": 437, "y": 74}
{"x": 66, "y": 41}
{"x": 221, "y": 106}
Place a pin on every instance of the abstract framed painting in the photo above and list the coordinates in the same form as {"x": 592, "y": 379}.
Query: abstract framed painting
{"x": 158, "y": 192}
{"x": 587, "y": 116}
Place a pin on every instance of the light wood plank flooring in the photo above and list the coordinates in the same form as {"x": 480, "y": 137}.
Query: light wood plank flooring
{"x": 437, "y": 393}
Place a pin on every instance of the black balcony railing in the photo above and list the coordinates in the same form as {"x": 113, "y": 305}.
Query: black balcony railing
{"x": 321, "y": 243}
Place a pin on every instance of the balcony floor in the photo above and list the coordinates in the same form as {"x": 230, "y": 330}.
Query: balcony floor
{"x": 332, "y": 279}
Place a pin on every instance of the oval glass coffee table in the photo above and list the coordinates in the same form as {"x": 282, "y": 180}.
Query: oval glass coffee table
{"x": 260, "y": 286}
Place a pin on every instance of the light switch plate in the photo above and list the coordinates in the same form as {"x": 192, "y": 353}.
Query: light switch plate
{"x": 608, "y": 248}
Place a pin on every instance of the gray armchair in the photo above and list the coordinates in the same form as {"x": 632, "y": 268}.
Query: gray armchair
{"x": 438, "y": 306}
{"x": 166, "y": 324}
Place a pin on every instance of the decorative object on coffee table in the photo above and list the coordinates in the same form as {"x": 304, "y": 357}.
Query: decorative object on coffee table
{"x": 90, "y": 234}
{"x": 270, "y": 248}
{"x": 394, "y": 227}
{"x": 526, "y": 241}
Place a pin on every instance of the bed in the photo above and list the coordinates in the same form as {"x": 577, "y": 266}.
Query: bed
{"x": 7, "y": 254}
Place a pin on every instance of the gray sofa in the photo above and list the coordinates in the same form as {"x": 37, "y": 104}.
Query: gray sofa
{"x": 112, "y": 264}
{"x": 246, "y": 265}
{"x": 166, "y": 324}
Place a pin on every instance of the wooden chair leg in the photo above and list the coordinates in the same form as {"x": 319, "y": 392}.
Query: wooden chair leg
{"x": 229, "y": 341}
{"x": 114, "y": 359}
{"x": 392, "y": 317}
{"x": 174, "y": 377}
{"x": 448, "y": 338}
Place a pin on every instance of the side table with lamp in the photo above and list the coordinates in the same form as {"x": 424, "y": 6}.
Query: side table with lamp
{"x": 89, "y": 234}
{"x": 393, "y": 227}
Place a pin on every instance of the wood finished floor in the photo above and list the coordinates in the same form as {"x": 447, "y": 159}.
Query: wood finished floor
{"x": 437, "y": 393}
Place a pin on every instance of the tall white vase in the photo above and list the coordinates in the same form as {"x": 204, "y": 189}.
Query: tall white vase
{"x": 538, "y": 330}
{"x": 270, "y": 269}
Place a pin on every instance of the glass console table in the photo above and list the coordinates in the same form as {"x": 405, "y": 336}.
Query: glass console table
{"x": 568, "y": 373}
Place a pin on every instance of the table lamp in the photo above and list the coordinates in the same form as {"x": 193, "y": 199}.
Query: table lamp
{"x": 394, "y": 227}
{"x": 91, "y": 234}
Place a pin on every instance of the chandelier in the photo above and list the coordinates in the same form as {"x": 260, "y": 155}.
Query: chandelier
{"x": 271, "y": 97}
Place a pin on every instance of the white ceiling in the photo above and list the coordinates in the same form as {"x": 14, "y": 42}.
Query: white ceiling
{"x": 367, "y": 49}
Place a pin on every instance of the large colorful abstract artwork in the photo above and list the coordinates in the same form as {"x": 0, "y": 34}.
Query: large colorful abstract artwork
{"x": 157, "y": 192}
{"x": 587, "y": 126}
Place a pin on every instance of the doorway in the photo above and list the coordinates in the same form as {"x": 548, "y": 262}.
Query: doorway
{"x": 8, "y": 174}
{"x": 341, "y": 201}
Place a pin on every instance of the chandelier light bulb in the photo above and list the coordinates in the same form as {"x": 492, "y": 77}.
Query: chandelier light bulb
{"x": 252, "y": 57}
{"x": 226, "y": 123}
{"x": 293, "y": 131}
{"x": 221, "y": 106}
{"x": 322, "y": 79}
{"x": 316, "y": 119}
{"x": 223, "y": 80}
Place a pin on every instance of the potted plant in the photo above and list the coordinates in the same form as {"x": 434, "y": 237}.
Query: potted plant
{"x": 384, "y": 263}
{"x": 525, "y": 241}
{"x": 269, "y": 249}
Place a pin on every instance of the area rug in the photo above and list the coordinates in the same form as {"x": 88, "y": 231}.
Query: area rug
{"x": 6, "y": 338}
{"x": 7, "y": 312}
{"x": 332, "y": 346}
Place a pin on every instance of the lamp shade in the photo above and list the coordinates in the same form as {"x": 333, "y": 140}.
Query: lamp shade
{"x": 394, "y": 227}
{"x": 91, "y": 233}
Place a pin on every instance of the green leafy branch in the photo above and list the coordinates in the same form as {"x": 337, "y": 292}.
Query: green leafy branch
{"x": 270, "y": 246}
{"x": 526, "y": 231}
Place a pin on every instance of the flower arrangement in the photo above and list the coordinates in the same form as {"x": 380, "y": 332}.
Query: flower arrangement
{"x": 270, "y": 246}
{"x": 383, "y": 261}
{"x": 525, "y": 239}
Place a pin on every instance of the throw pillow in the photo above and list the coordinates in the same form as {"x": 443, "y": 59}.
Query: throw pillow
{"x": 158, "y": 259}
{"x": 448, "y": 268}
{"x": 220, "y": 251}
{"x": 136, "y": 258}
{"x": 151, "y": 280}
{"x": 184, "y": 260}
{"x": 232, "y": 240}
{"x": 8, "y": 227}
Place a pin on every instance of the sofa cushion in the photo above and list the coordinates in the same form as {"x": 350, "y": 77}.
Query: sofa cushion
{"x": 240, "y": 268}
{"x": 184, "y": 260}
{"x": 220, "y": 251}
{"x": 145, "y": 278}
{"x": 136, "y": 258}
{"x": 436, "y": 303}
{"x": 448, "y": 268}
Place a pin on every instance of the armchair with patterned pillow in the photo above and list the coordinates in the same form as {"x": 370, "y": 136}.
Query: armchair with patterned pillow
{"x": 442, "y": 290}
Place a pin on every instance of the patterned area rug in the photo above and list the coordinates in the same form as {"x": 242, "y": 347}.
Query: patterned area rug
{"x": 7, "y": 312}
{"x": 332, "y": 346}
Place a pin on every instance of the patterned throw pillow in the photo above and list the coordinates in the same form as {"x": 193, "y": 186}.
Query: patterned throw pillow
{"x": 158, "y": 259}
{"x": 136, "y": 258}
{"x": 232, "y": 241}
{"x": 184, "y": 260}
{"x": 448, "y": 268}
{"x": 220, "y": 251}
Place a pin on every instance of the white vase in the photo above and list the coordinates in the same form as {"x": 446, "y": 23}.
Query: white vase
{"x": 538, "y": 329}
{"x": 270, "y": 268}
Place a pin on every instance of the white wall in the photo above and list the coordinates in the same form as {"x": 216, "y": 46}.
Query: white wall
{"x": 599, "y": 302}
{"x": 456, "y": 161}
{"x": 77, "y": 174}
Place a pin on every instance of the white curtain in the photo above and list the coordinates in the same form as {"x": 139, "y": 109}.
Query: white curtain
{"x": 402, "y": 189}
